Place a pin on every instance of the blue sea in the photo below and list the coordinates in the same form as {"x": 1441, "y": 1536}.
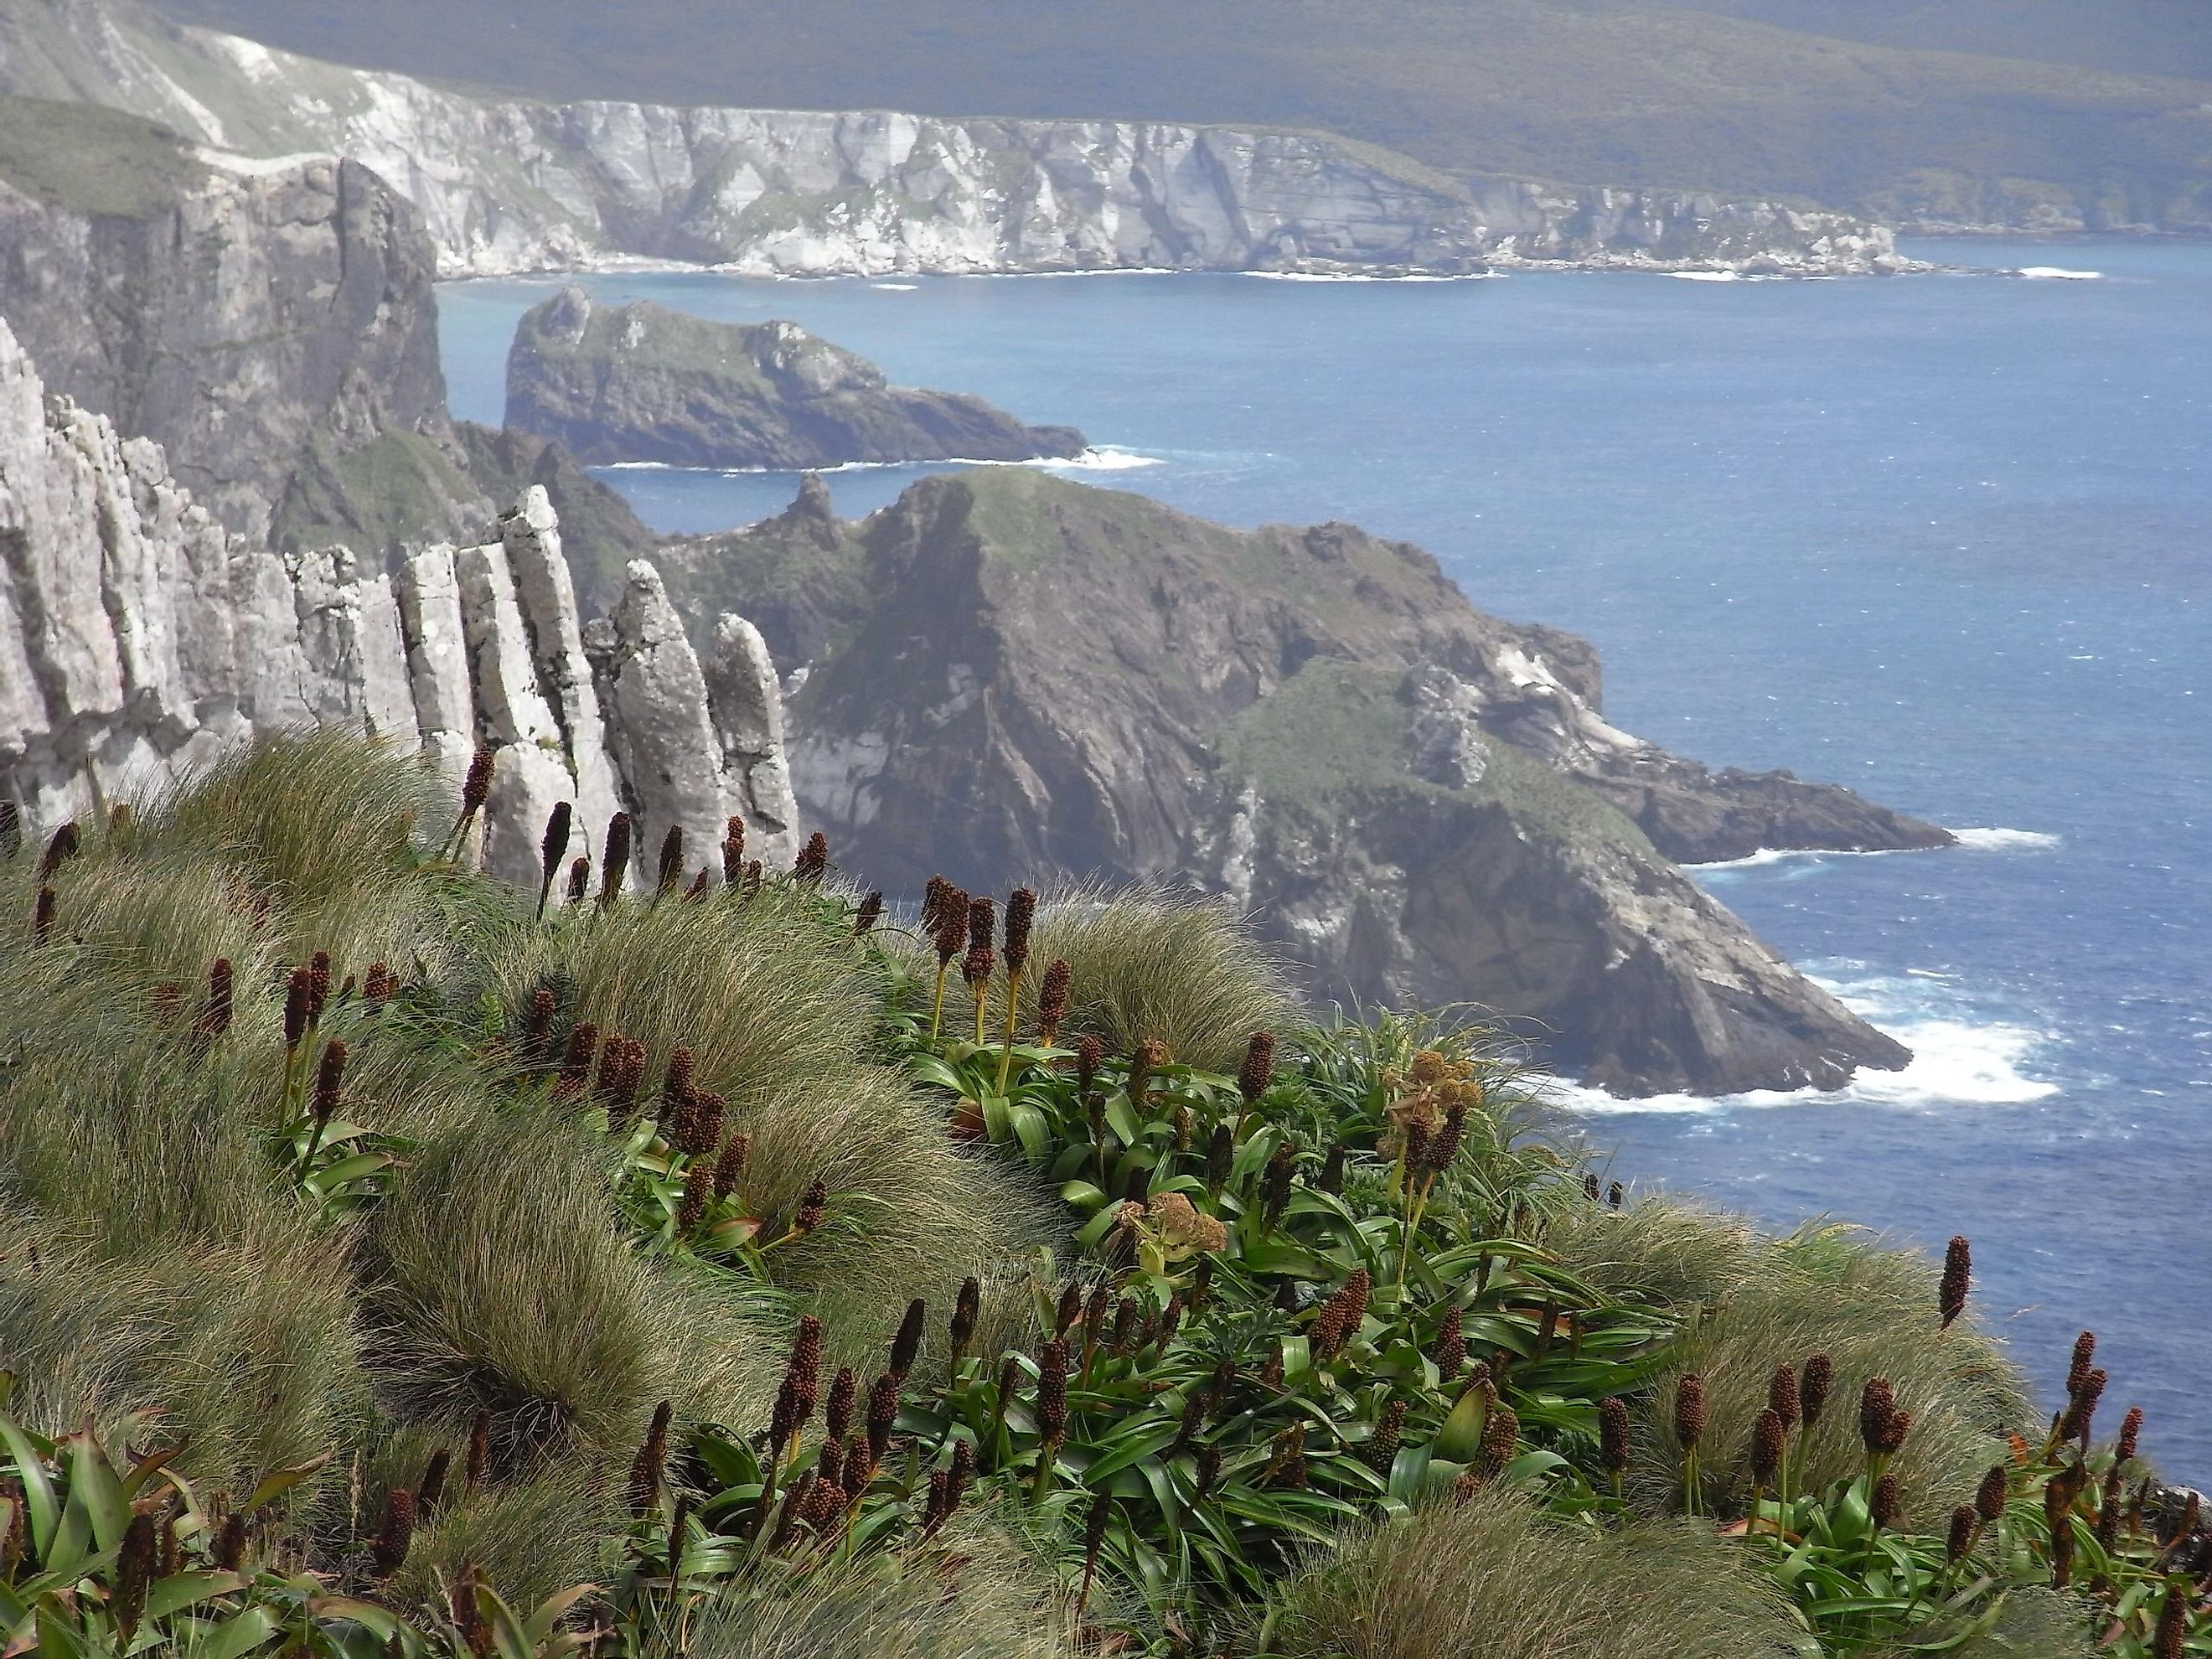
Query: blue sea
{"x": 1947, "y": 538}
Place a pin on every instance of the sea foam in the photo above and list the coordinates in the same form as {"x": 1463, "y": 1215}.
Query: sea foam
{"x": 2058, "y": 274}
{"x": 1959, "y": 1057}
{"x": 2007, "y": 841}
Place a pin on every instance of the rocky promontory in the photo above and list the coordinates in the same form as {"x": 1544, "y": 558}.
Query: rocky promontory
{"x": 638, "y": 382}
{"x": 1010, "y": 677}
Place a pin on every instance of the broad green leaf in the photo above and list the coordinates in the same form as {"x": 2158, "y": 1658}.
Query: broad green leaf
{"x": 46, "y": 1512}
{"x": 275, "y": 1485}
{"x": 185, "y": 1590}
{"x": 238, "y": 1635}
{"x": 1460, "y": 1439}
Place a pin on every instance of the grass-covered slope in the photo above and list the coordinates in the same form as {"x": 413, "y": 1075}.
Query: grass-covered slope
{"x": 402, "y": 1265}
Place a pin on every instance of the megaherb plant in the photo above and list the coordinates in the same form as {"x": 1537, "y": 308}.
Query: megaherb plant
{"x": 722, "y": 1263}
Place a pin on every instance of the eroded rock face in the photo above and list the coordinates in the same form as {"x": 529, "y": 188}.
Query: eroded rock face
{"x": 638, "y": 382}
{"x": 510, "y": 184}
{"x": 1425, "y": 803}
{"x": 139, "y": 638}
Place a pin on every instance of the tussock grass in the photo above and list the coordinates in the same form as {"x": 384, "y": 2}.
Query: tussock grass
{"x": 1147, "y": 962}
{"x": 504, "y": 1284}
{"x": 1492, "y": 1577}
{"x": 1672, "y": 1249}
{"x": 975, "y": 1594}
{"x": 248, "y": 1353}
{"x": 1840, "y": 1290}
{"x": 533, "y": 1537}
{"x": 779, "y": 1011}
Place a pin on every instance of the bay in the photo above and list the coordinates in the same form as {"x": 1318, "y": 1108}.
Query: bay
{"x": 1946, "y": 538}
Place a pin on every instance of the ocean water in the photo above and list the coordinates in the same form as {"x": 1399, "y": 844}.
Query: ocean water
{"x": 1946, "y": 538}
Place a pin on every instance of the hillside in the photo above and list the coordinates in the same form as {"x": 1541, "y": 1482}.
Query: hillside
{"x": 1763, "y": 102}
{"x": 1009, "y": 676}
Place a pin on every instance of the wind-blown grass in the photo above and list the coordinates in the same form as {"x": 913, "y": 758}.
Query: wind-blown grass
{"x": 1493, "y": 1578}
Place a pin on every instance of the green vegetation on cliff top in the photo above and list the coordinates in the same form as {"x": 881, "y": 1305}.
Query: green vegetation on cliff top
{"x": 93, "y": 160}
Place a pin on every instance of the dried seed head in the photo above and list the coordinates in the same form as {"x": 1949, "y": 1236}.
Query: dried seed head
{"x": 42, "y": 916}
{"x": 2131, "y": 1431}
{"x": 1616, "y": 1195}
{"x": 813, "y": 1205}
{"x": 732, "y": 1163}
{"x": 1052, "y": 999}
{"x": 1259, "y": 1067}
{"x": 982, "y": 923}
{"x": 1887, "y": 1503}
{"x": 1417, "y": 1145}
{"x": 213, "y": 1019}
{"x": 1090, "y": 1054}
{"x": 703, "y": 1125}
{"x": 1449, "y": 1349}
{"x": 651, "y": 1461}
{"x": 1332, "y": 1170}
{"x": 1209, "y": 1467}
{"x": 951, "y": 937}
{"x": 1275, "y": 1184}
{"x": 1201, "y": 1282}
{"x": 1287, "y": 1465}
{"x": 1813, "y": 1395}
{"x": 1382, "y": 1448}
{"x": 882, "y": 1413}
{"x": 976, "y": 967}
{"x": 752, "y": 884}
{"x": 390, "y": 1549}
{"x": 60, "y": 849}
{"x": 871, "y": 911}
{"x": 476, "y": 789}
{"x": 698, "y": 1193}
{"x": 1220, "y": 1155}
{"x": 1327, "y": 1331}
{"x": 1893, "y": 1433}
{"x": 576, "y": 1058}
{"x": 2170, "y": 1639}
{"x": 1094, "y": 1529}
{"x": 1357, "y": 1289}
{"x": 1501, "y": 1439}
{"x": 1071, "y": 1307}
{"x": 136, "y": 1563}
{"x": 318, "y": 985}
{"x": 479, "y": 1468}
{"x": 1151, "y": 1055}
{"x": 1590, "y": 1188}
{"x": 1961, "y": 1536}
{"x": 230, "y": 1544}
{"x": 538, "y": 1024}
{"x": 932, "y": 904}
{"x": 1021, "y": 914}
{"x": 1989, "y": 1496}
{"x": 296, "y": 999}
{"x": 1958, "y": 1274}
{"x": 1768, "y": 1438}
{"x": 329, "y": 1079}
{"x": 805, "y": 1366}
{"x": 670, "y": 870}
{"x": 1052, "y": 1392}
{"x": 1444, "y": 1146}
{"x": 967, "y": 1308}
{"x": 432, "y": 1489}
{"x": 614, "y": 859}
{"x": 1124, "y": 1325}
{"x": 553, "y": 846}
{"x": 1612, "y": 1435}
{"x": 1094, "y": 1314}
{"x": 579, "y": 878}
{"x": 676, "y": 1084}
{"x": 837, "y": 1408}
{"x": 733, "y": 851}
{"x": 813, "y": 860}
{"x": 860, "y": 1467}
{"x": 1689, "y": 1410}
{"x": 956, "y": 1477}
{"x": 1782, "y": 1395}
{"x": 2077, "y": 1369}
{"x": 2074, "y": 1425}
{"x": 1877, "y": 1405}
{"x": 906, "y": 1347}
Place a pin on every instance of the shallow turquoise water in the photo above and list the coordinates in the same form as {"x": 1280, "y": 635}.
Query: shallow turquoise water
{"x": 1947, "y": 538}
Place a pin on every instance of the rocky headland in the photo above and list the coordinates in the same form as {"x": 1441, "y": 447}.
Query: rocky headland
{"x": 510, "y": 184}
{"x": 1006, "y": 676}
{"x": 638, "y": 382}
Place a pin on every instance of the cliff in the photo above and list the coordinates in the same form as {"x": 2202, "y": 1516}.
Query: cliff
{"x": 641, "y": 383}
{"x": 1005, "y": 675}
{"x": 138, "y": 637}
{"x": 510, "y": 184}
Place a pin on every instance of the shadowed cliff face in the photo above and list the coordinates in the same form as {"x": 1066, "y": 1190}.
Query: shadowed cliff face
{"x": 1009, "y": 676}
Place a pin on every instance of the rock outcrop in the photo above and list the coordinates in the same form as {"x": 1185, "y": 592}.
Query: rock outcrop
{"x": 139, "y": 638}
{"x": 1425, "y": 803}
{"x": 639, "y": 382}
{"x": 510, "y": 184}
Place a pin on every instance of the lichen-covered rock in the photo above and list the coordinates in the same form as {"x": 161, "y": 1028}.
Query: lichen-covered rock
{"x": 638, "y": 382}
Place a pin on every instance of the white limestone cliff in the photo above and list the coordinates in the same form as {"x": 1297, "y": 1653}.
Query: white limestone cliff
{"x": 138, "y": 639}
{"x": 511, "y": 185}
